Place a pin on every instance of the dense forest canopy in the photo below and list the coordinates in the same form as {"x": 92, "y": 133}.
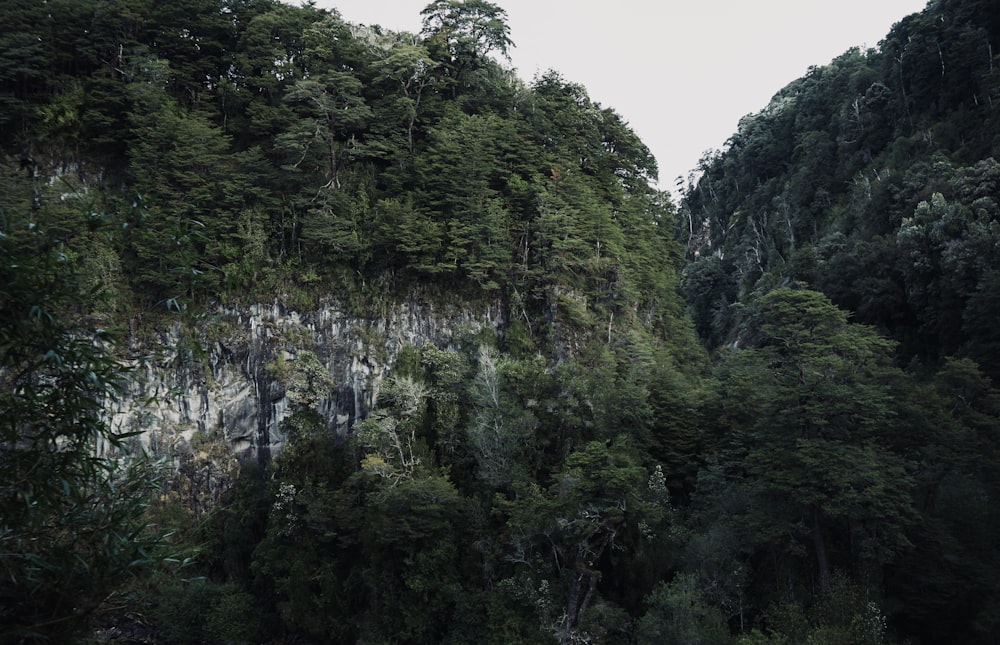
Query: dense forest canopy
{"x": 873, "y": 179}
{"x": 765, "y": 415}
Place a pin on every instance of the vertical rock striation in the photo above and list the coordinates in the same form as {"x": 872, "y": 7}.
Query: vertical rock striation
{"x": 227, "y": 375}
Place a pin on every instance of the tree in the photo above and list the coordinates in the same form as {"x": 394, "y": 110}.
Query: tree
{"x": 471, "y": 28}
{"x": 417, "y": 560}
{"x": 411, "y": 232}
{"x": 679, "y": 614}
{"x": 332, "y": 109}
{"x": 953, "y": 421}
{"x": 23, "y": 69}
{"x": 499, "y": 430}
{"x": 571, "y": 531}
{"x": 182, "y": 236}
{"x": 389, "y": 436}
{"x": 459, "y": 173}
{"x": 304, "y": 564}
{"x": 984, "y": 337}
{"x": 819, "y": 447}
{"x": 409, "y": 68}
{"x": 72, "y": 503}
{"x": 460, "y": 34}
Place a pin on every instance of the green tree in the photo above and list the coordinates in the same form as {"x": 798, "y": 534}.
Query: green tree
{"x": 499, "y": 431}
{"x": 331, "y": 112}
{"x": 305, "y": 565}
{"x": 267, "y": 60}
{"x": 72, "y": 502}
{"x": 952, "y": 418}
{"x": 182, "y": 237}
{"x": 460, "y": 173}
{"x": 566, "y": 536}
{"x": 24, "y": 71}
{"x": 420, "y": 573}
{"x": 408, "y": 67}
{"x": 819, "y": 448}
{"x": 678, "y": 614}
{"x": 465, "y": 32}
{"x": 390, "y": 436}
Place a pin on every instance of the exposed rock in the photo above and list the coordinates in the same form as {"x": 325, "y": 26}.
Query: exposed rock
{"x": 227, "y": 377}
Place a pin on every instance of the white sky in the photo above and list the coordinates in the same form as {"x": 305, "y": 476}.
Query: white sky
{"x": 682, "y": 73}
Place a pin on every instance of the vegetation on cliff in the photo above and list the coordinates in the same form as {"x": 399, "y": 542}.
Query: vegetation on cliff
{"x": 786, "y": 435}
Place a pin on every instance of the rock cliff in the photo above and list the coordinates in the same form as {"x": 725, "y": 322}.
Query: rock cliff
{"x": 228, "y": 375}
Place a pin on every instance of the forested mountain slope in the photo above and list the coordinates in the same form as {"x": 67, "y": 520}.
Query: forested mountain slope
{"x": 257, "y": 194}
{"x": 872, "y": 179}
{"x": 257, "y": 147}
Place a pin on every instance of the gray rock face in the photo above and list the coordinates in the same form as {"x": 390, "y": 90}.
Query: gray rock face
{"x": 229, "y": 374}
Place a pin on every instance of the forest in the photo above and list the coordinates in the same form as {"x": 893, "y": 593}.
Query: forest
{"x": 762, "y": 415}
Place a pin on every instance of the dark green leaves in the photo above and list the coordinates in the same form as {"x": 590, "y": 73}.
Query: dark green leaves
{"x": 72, "y": 504}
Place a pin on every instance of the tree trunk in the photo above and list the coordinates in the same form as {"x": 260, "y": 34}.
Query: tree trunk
{"x": 821, "y": 556}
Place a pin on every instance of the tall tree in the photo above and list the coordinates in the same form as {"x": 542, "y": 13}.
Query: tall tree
{"x": 819, "y": 447}
{"x": 471, "y": 28}
{"x": 461, "y": 34}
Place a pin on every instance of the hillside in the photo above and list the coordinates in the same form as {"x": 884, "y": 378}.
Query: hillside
{"x": 874, "y": 180}
{"x": 257, "y": 148}
{"x": 314, "y": 332}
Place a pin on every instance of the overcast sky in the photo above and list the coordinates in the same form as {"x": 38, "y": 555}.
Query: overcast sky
{"x": 681, "y": 73}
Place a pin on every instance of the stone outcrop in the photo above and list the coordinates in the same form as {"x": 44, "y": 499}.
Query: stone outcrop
{"x": 228, "y": 375}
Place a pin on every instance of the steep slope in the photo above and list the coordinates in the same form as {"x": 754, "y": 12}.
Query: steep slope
{"x": 427, "y": 297}
{"x": 441, "y": 308}
{"x": 257, "y": 154}
{"x": 872, "y": 179}
{"x": 237, "y": 150}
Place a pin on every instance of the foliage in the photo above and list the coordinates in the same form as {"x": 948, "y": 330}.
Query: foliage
{"x": 72, "y": 500}
{"x": 297, "y": 147}
{"x": 820, "y": 468}
{"x": 198, "y": 611}
{"x": 500, "y": 431}
{"x": 873, "y": 181}
{"x": 678, "y": 615}
{"x": 840, "y": 180}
